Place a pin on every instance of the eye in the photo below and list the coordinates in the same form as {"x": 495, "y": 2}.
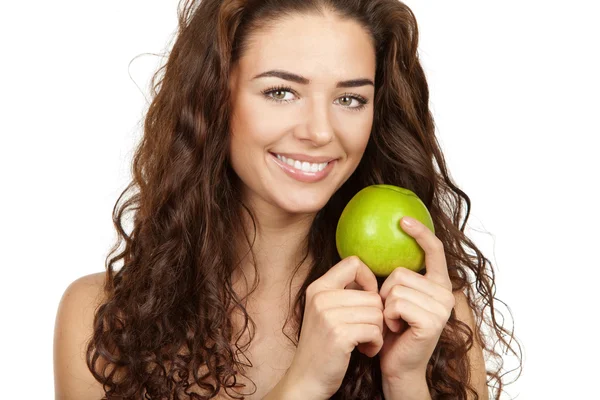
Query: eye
{"x": 278, "y": 90}
{"x": 278, "y": 93}
{"x": 347, "y": 98}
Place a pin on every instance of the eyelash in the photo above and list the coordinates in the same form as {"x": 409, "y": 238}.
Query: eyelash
{"x": 355, "y": 96}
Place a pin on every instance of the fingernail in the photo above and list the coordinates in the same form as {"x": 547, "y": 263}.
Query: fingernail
{"x": 409, "y": 222}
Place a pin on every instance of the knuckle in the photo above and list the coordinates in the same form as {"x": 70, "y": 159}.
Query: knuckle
{"x": 442, "y": 323}
{"x": 376, "y": 299}
{"x": 319, "y": 302}
{"x": 397, "y": 272}
{"x": 374, "y": 313}
{"x": 396, "y": 291}
{"x": 442, "y": 316}
{"x": 438, "y": 245}
{"x": 327, "y": 317}
{"x": 338, "y": 335}
{"x": 401, "y": 275}
{"x": 446, "y": 317}
{"x": 392, "y": 306}
{"x": 355, "y": 261}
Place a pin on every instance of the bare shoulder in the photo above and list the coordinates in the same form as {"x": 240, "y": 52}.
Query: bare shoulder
{"x": 72, "y": 330}
{"x": 465, "y": 314}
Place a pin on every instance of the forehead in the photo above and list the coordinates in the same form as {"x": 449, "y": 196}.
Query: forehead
{"x": 320, "y": 48}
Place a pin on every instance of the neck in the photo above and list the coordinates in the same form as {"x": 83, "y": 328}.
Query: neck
{"x": 278, "y": 249}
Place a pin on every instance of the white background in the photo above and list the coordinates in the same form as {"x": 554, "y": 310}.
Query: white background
{"x": 514, "y": 90}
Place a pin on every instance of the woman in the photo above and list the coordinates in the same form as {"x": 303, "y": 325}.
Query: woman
{"x": 270, "y": 116}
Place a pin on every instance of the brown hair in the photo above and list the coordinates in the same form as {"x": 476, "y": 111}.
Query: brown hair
{"x": 174, "y": 290}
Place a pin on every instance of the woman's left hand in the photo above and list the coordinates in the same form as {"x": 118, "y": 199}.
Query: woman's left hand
{"x": 416, "y": 309}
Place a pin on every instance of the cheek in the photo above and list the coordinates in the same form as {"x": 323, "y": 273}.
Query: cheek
{"x": 356, "y": 136}
{"x": 255, "y": 124}
{"x": 252, "y": 132}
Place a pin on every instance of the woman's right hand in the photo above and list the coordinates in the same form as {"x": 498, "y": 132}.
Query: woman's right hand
{"x": 335, "y": 321}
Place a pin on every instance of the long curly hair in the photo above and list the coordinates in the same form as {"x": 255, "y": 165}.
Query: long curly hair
{"x": 166, "y": 316}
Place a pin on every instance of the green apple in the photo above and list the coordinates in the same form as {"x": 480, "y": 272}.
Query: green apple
{"x": 369, "y": 228}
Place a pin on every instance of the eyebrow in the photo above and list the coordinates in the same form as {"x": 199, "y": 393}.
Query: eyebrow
{"x": 288, "y": 76}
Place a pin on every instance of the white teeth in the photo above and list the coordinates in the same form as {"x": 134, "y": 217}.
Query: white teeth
{"x": 303, "y": 166}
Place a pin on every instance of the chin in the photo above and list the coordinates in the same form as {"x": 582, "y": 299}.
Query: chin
{"x": 303, "y": 205}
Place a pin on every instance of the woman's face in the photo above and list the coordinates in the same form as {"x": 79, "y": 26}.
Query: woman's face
{"x": 304, "y": 113}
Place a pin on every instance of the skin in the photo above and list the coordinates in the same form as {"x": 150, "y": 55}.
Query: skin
{"x": 317, "y": 120}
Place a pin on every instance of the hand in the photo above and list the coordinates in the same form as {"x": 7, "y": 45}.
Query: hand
{"x": 335, "y": 321}
{"x": 416, "y": 309}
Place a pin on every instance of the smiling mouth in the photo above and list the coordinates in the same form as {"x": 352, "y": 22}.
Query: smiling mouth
{"x": 305, "y": 173}
{"x": 303, "y": 166}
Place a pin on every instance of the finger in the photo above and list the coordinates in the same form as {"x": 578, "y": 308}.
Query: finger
{"x": 412, "y": 279}
{"x": 369, "y": 349}
{"x": 416, "y": 316}
{"x": 399, "y": 326}
{"x": 356, "y": 315}
{"x": 414, "y": 296}
{"x": 394, "y": 325}
{"x": 407, "y": 294}
{"x": 351, "y": 269}
{"x": 435, "y": 259}
{"x": 367, "y": 338}
{"x": 349, "y": 298}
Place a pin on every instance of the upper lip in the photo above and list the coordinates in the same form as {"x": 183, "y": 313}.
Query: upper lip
{"x": 304, "y": 157}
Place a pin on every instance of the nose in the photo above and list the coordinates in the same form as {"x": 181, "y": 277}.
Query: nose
{"x": 318, "y": 128}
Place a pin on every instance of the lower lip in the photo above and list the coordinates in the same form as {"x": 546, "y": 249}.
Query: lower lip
{"x": 301, "y": 175}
